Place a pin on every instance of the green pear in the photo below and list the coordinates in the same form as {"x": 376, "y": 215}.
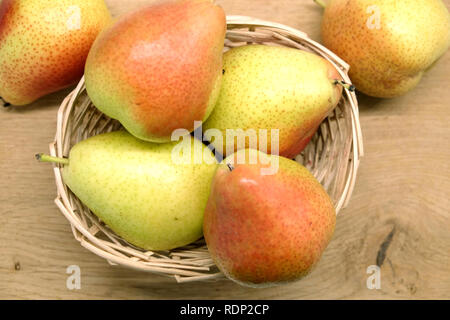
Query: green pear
{"x": 266, "y": 229}
{"x": 272, "y": 88}
{"x": 44, "y": 45}
{"x": 142, "y": 190}
{"x": 388, "y": 44}
{"x": 160, "y": 68}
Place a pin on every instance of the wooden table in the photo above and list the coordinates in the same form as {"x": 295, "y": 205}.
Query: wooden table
{"x": 398, "y": 218}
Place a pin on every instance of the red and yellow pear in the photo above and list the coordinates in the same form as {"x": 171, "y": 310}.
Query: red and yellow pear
{"x": 264, "y": 229}
{"x": 388, "y": 44}
{"x": 160, "y": 68}
{"x": 44, "y": 45}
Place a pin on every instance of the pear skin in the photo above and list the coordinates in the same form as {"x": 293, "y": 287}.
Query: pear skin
{"x": 265, "y": 230}
{"x": 159, "y": 69}
{"x": 266, "y": 87}
{"x": 44, "y": 45}
{"x": 137, "y": 189}
{"x": 388, "y": 44}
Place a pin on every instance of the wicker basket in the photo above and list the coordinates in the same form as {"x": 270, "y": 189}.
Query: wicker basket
{"x": 332, "y": 156}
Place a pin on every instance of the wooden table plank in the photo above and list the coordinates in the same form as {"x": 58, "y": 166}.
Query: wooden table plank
{"x": 398, "y": 217}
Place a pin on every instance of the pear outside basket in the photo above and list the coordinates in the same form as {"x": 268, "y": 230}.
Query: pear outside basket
{"x": 333, "y": 157}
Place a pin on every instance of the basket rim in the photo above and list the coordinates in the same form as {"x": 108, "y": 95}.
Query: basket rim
{"x": 234, "y": 21}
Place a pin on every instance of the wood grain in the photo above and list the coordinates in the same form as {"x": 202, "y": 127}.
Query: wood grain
{"x": 398, "y": 218}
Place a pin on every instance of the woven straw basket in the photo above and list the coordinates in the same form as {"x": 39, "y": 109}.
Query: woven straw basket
{"x": 332, "y": 156}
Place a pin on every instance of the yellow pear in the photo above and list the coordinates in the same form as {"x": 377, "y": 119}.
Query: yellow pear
{"x": 271, "y": 88}
{"x": 153, "y": 195}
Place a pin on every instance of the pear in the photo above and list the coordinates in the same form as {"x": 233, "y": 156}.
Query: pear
{"x": 266, "y": 229}
{"x": 137, "y": 188}
{"x": 388, "y": 44}
{"x": 44, "y": 45}
{"x": 272, "y": 88}
{"x": 159, "y": 69}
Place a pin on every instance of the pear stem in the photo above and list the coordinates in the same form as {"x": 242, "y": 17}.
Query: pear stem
{"x": 46, "y": 158}
{"x": 346, "y": 85}
{"x": 230, "y": 166}
{"x": 321, "y": 3}
{"x": 4, "y": 103}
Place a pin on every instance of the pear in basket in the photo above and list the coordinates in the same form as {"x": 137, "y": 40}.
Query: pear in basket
{"x": 44, "y": 45}
{"x": 140, "y": 189}
{"x": 272, "y": 88}
{"x": 388, "y": 44}
{"x": 267, "y": 220}
{"x": 160, "y": 68}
